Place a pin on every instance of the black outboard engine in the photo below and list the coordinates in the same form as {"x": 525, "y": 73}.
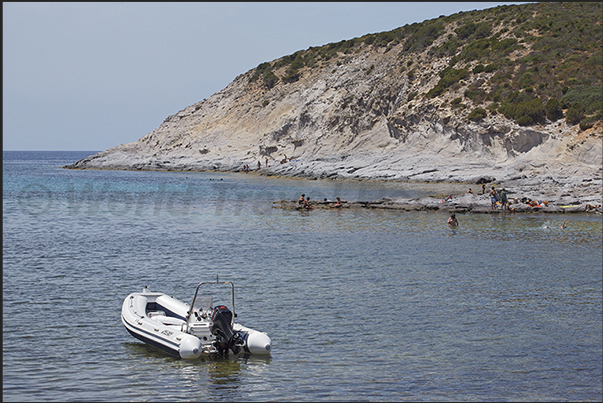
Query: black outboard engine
{"x": 220, "y": 326}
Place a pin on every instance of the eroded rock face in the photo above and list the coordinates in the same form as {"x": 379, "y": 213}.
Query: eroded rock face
{"x": 361, "y": 117}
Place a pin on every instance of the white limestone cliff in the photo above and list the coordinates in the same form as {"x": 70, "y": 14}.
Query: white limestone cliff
{"x": 361, "y": 116}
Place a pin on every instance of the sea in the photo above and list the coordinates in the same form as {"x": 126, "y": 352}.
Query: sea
{"x": 360, "y": 305}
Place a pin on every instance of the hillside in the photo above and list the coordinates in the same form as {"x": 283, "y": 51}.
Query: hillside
{"x": 512, "y": 93}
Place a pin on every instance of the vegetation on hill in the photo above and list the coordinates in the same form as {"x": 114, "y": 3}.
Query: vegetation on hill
{"x": 556, "y": 71}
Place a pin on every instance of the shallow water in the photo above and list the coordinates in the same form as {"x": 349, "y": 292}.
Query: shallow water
{"x": 360, "y": 305}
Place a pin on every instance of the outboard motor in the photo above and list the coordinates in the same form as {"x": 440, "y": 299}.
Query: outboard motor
{"x": 220, "y": 326}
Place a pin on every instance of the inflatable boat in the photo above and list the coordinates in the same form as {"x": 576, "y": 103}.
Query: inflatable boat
{"x": 189, "y": 330}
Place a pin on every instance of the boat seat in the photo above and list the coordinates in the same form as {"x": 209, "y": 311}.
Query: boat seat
{"x": 168, "y": 320}
{"x": 153, "y": 314}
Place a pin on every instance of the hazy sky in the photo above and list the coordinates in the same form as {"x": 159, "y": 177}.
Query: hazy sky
{"x": 90, "y": 76}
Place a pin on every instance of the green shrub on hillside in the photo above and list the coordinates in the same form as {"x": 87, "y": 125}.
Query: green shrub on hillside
{"x": 262, "y": 67}
{"x": 490, "y": 68}
{"x": 574, "y": 114}
{"x": 590, "y": 96}
{"x": 448, "y": 48}
{"x": 465, "y": 30}
{"x": 588, "y": 122}
{"x": 478, "y": 69}
{"x": 264, "y": 70}
{"x": 270, "y": 79}
{"x": 449, "y": 76}
{"x": 291, "y": 76}
{"x": 471, "y": 30}
{"x": 477, "y": 95}
{"x": 477, "y": 114}
{"x": 506, "y": 46}
{"x": 476, "y": 50}
{"x": 525, "y": 111}
{"x": 422, "y": 35}
{"x": 526, "y": 80}
{"x": 553, "y": 110}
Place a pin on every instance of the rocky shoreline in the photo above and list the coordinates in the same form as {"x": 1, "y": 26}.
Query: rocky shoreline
{"x": 564, "y": 193}
{"x": 468, "y": 197}
{"x": 470, "y": 203}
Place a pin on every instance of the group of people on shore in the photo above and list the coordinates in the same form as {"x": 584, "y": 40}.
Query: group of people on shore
{"x": 499, "y": 198}
{"x": 495, "y": 197}
{"x": 247, "y": 169}
{"x": 304, "y": 202}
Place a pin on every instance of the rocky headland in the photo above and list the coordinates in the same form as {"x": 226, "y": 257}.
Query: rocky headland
{"x": 402, "y": 109}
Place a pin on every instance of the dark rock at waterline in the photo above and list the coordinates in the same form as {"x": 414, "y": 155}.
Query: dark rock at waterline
{"x": 467, "y": 204}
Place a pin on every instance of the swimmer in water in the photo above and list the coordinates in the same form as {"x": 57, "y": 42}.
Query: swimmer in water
{"x": 452, "y": 221}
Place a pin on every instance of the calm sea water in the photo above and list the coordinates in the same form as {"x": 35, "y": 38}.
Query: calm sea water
{"x": 360, "y": 305}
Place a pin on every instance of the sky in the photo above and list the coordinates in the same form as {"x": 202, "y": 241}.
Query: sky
{"x": 90, "y": 76}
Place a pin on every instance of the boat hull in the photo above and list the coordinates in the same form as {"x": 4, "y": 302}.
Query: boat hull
{"x": 148, "y": 340}
{"x": 160, "y": 321}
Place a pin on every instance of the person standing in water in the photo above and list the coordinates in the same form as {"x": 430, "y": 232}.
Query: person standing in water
{"x": 503, "y": 199}
{"x": 452, "y": 221}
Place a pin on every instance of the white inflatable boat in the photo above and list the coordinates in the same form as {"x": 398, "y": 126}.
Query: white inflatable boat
{"x": 187, "y": 331}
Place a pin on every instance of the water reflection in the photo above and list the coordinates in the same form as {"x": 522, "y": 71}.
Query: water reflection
{"x": 207, "y": 378}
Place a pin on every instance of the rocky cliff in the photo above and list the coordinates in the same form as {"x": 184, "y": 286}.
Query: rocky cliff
{"x": 367, "y": 110}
